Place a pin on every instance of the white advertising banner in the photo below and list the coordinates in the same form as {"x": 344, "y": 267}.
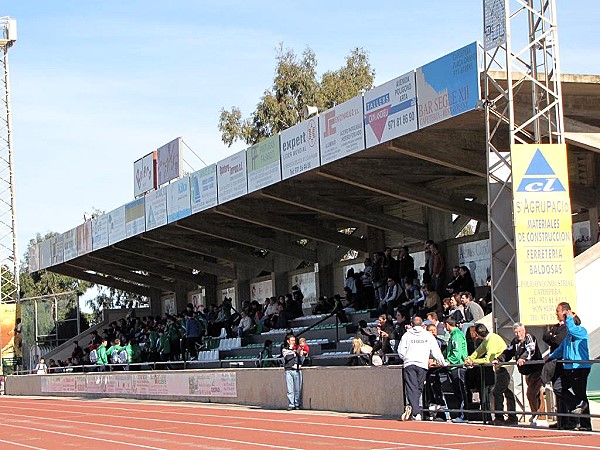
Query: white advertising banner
{"x": 341, "y": 130}
{"x": 391, "y": 110}
{"x": 58, "y": 249}
{"x": 70, "y": 244}
{"x": 84, "y": 238}
{"x": 100, "y": 232}
{"x": 203, "y": 384}
{"x": 307, "y": 282}
{"x": 203, "y": 184}
{"x": 178, "y": 199}
{"x": 448, "y": 86}
{"x": 494, "y": 23}
{"x": 45, "y": 254}
{"x": 33, "y": 258}
{"x": 156, "y": 208}
{"x": 168, "y": 161}
{"x": 477, "y": 257}
{"x": 116, "y": 225}
{"x": 135, "y": 217}
{"x": 261, "y": 290}
{"x": 143, "y": 175}
{"x": 231, "y": 177}
{"x": 264, "y": 164}
{"x": 299, "y": 148}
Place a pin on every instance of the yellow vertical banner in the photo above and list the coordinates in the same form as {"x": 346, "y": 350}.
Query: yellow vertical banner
{"x": 543, "y": 231}
{"x": 8, "y": 318}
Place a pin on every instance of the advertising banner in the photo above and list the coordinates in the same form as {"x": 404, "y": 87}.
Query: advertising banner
{"x": 264, "y": 164}
{"x": 232, "y": 181}
{"x": 203, "y": 184}
{"x": 178, "y": 199}
{"x": 135, "y": 217}
{"x": 116, "y": 225}
{"x": 70, "y": 244}
{"x": 168, "y": 161}
{"x": 390, "y": 110}
{"x": 45, "y": 254}
{"x": 84, "y": 238}
{"x": 100, "y": 232}
{"x": 341, "y": 130}
{"x": 11, "y": 345}
{"x": 448, "y": 86}
{"x": 58, "y": 249}
{"x": 307, "y": 282}
{"x": 33, "y": 258}
{"x": 261, "y": 290}
{"x": 494, "y": 23}
{"x": 204, "y": 384}
{"x": 156, "y": 208}
{"x": 144, "y": 178}
{"x": 299, "y": 148}
{"x": 477, "y": 257}
{"x": 543, "y": 231}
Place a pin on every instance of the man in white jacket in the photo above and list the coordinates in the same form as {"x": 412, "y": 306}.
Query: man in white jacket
{"x": 416, "y": 347}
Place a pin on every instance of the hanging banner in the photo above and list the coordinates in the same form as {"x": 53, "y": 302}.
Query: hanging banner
{"x": 168, "y": 161}
{"x": 10, "y": 342}
{"x": 70, "y": 244}
{"x": 178, "y": 200}
{"x": 299, "y": 148}
{"x": 543, "y": 231}
{"x": 203, "y": 184}
{"x": 45, "y": 254}
{"x": 391, "y": 110}
{"x": 144, "y": 178}
{"x": 100, "y": 232}
{"x": 34, "y": 258}
{"x": 156, "y": 209}
{"x": 232, "y": 179}
{"x": 448, "y": 86}
{"x": 58, "y": 249}
{"x": 341, "y": 130}
{"x": 84, "y": 238}
{"x": 135, "y": 217}
{"x": 116, "y": 225}
{"x": 263, "y": 163}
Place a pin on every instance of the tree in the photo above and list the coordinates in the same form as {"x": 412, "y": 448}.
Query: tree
{"x": 111, "y": 298}
{"x": 295, "y": 86}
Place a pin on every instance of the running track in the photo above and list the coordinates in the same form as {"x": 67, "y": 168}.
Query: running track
{"x": 64, "y": 423}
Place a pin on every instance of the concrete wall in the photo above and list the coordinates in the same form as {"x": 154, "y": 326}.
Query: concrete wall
{"x": 369, "y": 390}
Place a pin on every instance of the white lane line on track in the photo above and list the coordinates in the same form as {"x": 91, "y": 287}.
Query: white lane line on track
{"x": 18, "y": 444}
{"x": 187, "y": 414}
{"x": 292, "y": 433}
{"x": 41, "y": 430}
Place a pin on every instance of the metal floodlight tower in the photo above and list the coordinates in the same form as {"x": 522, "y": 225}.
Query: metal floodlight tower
{"x": 9, "y": 267}
{"x": 521, "y": 61}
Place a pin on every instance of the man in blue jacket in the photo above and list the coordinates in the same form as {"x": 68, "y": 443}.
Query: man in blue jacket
{"x": 575, "y": 347}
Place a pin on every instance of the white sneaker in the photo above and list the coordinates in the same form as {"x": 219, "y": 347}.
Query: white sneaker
{"x": 407, "y": 413}
{"x": 541, "y": 423}
{"x": 433, "y": 407}
{"x": 417, "y": 417}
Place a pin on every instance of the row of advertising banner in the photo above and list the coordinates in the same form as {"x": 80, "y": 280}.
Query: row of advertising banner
{"x": 437, "y": 91}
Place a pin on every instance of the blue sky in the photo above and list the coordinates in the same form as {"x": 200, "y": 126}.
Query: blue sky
{"x": 97, "y": 85}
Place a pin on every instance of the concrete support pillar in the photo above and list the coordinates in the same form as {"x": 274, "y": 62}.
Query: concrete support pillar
{"x": 155, "y": 306}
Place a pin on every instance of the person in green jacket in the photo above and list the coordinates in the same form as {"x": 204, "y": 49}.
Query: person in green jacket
{"x": 114, "y": 350}
{"x": 102, "y": 357}
{"x": 455, "y": 354}
{"x": 164, "y": 346}
{"x": 134, "y": 354}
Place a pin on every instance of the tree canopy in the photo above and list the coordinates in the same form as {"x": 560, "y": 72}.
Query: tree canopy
{"x": 295, "y": 86}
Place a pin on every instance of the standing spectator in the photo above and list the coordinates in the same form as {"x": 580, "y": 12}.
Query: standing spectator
{"x": 438, "y": 269}
{"x": 102, "y": 360}
{"x": 350, "y": 282}
{"x": 390, "y": 265}
{"x": 575, "y": 347}
{"x": 293, "y": 375}
{"x": 41, "y": 368}
{"x": 266, "y": 354}
{"x": 379, "y": 279}
{"x": 415, "y": 348}
{"x": 193, "y": 333}
{"x": 406, "y": 265}
{"x": 489, "y": 350}
{"x": 524, "y": 348}
{"x": 366, "y": 278}
{"x": 455, "y": 354}
{"x": 77, "y": 351}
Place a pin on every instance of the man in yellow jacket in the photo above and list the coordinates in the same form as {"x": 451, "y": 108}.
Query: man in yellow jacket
{"x": 492, "y": 346}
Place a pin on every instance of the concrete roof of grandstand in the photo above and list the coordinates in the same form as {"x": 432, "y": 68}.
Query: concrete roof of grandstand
{"x": 389, "y": 187}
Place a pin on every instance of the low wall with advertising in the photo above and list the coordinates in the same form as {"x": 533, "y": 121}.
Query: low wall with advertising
{"x": 369, "y": 390}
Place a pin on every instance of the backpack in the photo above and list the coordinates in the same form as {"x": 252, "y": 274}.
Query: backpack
{"x": 119, "y": 357}
{"x": 94, "y": 356}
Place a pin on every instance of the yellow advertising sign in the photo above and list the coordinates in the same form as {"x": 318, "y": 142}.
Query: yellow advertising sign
{"x": 543, "y": 233}
{"x": 8, "y": 316}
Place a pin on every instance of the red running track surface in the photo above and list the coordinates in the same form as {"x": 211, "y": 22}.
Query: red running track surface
{"x": 65, "y": 423}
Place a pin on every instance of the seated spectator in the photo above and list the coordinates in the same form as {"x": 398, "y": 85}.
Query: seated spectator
{"x": 245, "y": 324}
{"x": 454, "y": 285}
{"x": 389, "y": 302}
{"x": 472, "y": 311}
{"x": 467, "y": 284}
{"x": 77, "y": 351}
{"x": 432, "y": 301}
{"x": 363, "y": 352}
{"x": 366, "y": 333}
{"x": 266, "y": 354}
